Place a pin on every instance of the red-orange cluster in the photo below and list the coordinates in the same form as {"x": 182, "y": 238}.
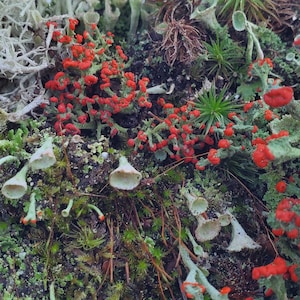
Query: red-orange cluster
{"x": 175, "y": 133}
{"x": 224, "y": 143}
{"x": 279, "y": 97}
{"x": 269, "y": 115}
{"x": 229, "y": 130}
{"x": 195, "y": 285}
{"x": 280, "y": 186}
{"x": 260, "y": 63}
{"x": 92, "y": 86}
{"x": 278, "y": 267}
{"x": 262, "y": 155}
{"x": 296, "y": 41}
{"x": 288, "y": 217}
{"x": 200, "y": 288}
{"x": 212, "y": 156}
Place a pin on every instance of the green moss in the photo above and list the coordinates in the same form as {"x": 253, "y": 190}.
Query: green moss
{"x": 129, "y": 235}
{"x": 172, "y": 176}
{"x": 142, "y": 267}
{"x": 83, "y": 237}
{"x": 215, "y": 107}
{"x": 115, "y": 291}
{"x": 224, "y": 58}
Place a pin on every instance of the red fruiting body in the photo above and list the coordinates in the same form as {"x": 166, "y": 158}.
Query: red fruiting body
{"x": 278, "y": 231}
{"x": 277, "y": 267}
{"x": 284, "y": 216}
{"x": 268, "y": 115}
{"x": 224, "y": 143}
{"x": 209, "y": 140}
{"x": 194, "y": 284}
{"x": 101, "y": 218}
{"x": 292, "y": 234}
{"x": 260, "y": 63}
{"x": 279, "y": 97}
{"x": 214, "y": 160}
{"x": 256, "y": 273}
{"x": 187, "y": 128}
{"x": 61, "y": 108}
{"x": 231, "y": 115}
{"x": 228, "y": 131}
{"x": 280, "y": 186}
{"x": 225, "y": 290}
{"x": 131, "y": 142}
{"x": 296, "y": 41}
{"x": 248, "y": 106}
{"x": 49, "y": 23}
{"x": 73, "y": 23}
{"x": 285, "y": 203}
{"x": 284, "y": 212}
{"x": 255, "y": 129}
{"x": 278, "y": 135}
{"x": 262, "y": 156}
{"x": 90, "y": 79}
{"x": 82, "y": 118}
{"x": 259, "y": 141}
{"x": 72, "y": 129}
{"x": 142, "y": 136}
{"x": 293, "y": 275}
{"x": 289, "y": 219}
{"x": 65, "y": 39}
{"x": 268, "y": 292}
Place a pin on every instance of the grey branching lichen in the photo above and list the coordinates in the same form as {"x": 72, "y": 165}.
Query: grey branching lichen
{"x": 21, "y": 51}
{"x": 24, "y": 48}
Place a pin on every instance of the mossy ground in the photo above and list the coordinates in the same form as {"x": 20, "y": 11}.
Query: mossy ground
{"x": 133, "y": 253}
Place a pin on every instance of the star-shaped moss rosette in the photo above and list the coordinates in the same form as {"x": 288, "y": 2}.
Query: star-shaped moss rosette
{"x": 214, "y": 108}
